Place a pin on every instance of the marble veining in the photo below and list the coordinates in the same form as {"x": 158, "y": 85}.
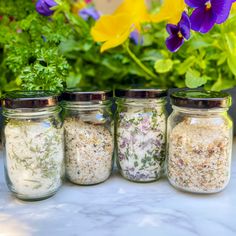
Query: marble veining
{"x": 118, "y": 208}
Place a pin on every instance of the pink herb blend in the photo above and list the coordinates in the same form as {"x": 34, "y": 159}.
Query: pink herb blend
{"x": 141, "y": 134}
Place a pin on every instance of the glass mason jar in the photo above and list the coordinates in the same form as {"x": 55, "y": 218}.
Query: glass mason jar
{"x": 88, "y": 136}
{"x": 199, "y": 141}
{"x": 34, "y": 147}
{"x": 141, "y": 134}
{"x": 1, "y": 124}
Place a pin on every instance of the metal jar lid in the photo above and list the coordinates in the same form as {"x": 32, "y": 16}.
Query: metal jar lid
{"x": 201, "y": 99}
{"x": 141, "y": 93}
{"x": 86, "y": 96}
{"x": 30, "y": 99}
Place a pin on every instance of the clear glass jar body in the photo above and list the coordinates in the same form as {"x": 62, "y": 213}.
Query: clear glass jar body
{"x": 34, "y": 152}
{"x": 199, "y": 149}
{"x": 88, "y": 142}
{"x": 141, "y": 138}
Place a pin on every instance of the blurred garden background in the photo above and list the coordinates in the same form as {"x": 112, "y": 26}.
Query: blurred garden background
{"x": 57, "y": 51}
{"x": 56, "y": 45}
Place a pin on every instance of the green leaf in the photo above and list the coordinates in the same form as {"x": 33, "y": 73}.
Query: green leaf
{"x": 231, "y": 51}
{"x": 194, "y": 80}
{"x": 163, "y": 65}
{"x": 151, "y": 55}
{"x": 231, "y": 60}
{"x": 222, "y": 58}
{"x": 73, "y": 80}
{"x": 182, "y": 68}
{"x": 223, "y": 84}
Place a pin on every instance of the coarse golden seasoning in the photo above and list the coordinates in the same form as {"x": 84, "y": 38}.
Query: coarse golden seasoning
{"x": 199, "y": 155}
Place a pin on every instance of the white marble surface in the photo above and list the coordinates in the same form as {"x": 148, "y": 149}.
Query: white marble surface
{"x": 120, "y": 208}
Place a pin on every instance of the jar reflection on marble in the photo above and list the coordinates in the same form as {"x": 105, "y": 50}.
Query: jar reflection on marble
{"x": 141, "y": 133}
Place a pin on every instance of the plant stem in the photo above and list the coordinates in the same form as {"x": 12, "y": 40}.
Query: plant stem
{"x": 139, "y": 63}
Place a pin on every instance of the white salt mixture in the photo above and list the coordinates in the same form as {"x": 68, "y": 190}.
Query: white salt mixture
{"x": 34, "y": 158}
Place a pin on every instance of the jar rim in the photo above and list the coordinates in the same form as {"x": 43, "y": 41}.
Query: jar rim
{"x": 85, "y": 96}
{"x": 30, "y": 99}
{"x": 201, "y": 99}
{"x": 141, "y": 93}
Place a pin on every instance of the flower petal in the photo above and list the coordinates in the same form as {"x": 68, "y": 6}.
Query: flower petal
{"x": 185, "y": 31}
{"x": 185, "y": 19}
{"x": 196, "y": 3}
{"x": 138, "y": 12}
{"x": 110, "y": 26}
{"x": 222, "y": 9}
{"x": 114, "y": 42}
{"x": 170, "y": 11}
{"x": 173, "y": 43}
{"x": 113, "y": 30}
{"x": 136, "y": 37}
{"x": 172, "y": 29}
{"x": 202, "y": 20}
{"x": 43, "y": 9}
{"x": 50, "y": 3}
{"x": 185, "y": 25}
{"x": 89, "y": 12}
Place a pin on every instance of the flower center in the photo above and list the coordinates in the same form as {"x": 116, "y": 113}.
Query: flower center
{"x": 180, "y": 35}
{"x": 208, "y": 5}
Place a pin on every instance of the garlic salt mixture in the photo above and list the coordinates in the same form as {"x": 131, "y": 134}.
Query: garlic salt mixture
{"x": 88, "y": 138}
{"x": 199, "y": 141}
{"x": 199, "y": 157}
{"x": 89, "y": 151}
{"x": 141, "y": 137}
{"x": 34, "y": 157}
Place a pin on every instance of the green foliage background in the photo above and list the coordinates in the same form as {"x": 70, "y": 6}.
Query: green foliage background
{"x": 38, "y": 52}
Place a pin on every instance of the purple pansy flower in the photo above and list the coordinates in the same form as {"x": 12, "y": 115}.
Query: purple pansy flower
{"x": 207, "y": 13}
{"x": 136, "y": 37}
{"x": 43, "y": 7}
{"x": 89, "y": 12}
{"x": 178, "y": 33}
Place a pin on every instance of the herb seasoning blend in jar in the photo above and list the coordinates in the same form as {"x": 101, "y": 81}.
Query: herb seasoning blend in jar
{"x": 199, "y": 141}
{"x": 88, "y": 137}
{"x": 141, "y": 134}
{"x": 34, "y": 146}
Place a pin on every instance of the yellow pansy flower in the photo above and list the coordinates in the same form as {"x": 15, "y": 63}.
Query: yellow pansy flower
{"x": 170, "y": 11}
{"x": 138, "y": 11}
{"x": 115, "y": 29}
